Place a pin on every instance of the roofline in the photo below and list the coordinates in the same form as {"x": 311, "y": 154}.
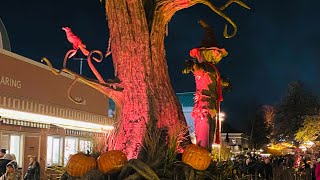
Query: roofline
{"x": 32, "y": 62}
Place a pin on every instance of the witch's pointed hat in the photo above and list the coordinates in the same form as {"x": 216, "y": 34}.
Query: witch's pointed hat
{"x": 209, "y": 39}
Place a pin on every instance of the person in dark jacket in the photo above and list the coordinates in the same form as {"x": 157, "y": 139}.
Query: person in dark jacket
{"x": 11, "y": 172}
{"x": 3, "y": 163}
{"x": 3, "y": 166}
{"x": 268, "y": 174}
{"x": 33, "y": 172}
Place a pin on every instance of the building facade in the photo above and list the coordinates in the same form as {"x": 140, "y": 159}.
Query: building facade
{"x": 38, "y": 118}
{"x": 238, "y": 141}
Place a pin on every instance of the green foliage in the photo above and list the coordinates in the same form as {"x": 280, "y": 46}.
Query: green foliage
{"x": 310, "y": 129}
{"x": 225, "y": 152}
{"x": 177, "y": 136}
{"x": 290, "y": 112}
{"x": 154, "y": 146}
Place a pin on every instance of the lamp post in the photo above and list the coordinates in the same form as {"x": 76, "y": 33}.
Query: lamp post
{"x": 221, "y": 118}
{"x": 81, "y": 63}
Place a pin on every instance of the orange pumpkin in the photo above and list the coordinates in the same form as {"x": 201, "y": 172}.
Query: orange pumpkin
{"x": 111, "y": 161}
{"x": 197, "y": 157}
{"x": 79, "y": 164}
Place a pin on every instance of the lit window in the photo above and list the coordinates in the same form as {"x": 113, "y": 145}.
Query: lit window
{"x": 53, "y": 150}
{"x": 70, "y": 148}
{"x": 85, "y": 146}
{"x": 15, "y": 144}
{"x": 12, "y": 143}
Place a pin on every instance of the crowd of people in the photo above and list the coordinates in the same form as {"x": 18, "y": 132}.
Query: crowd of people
{"x": 9, "y": 167}
{"x": 283, "y": 167}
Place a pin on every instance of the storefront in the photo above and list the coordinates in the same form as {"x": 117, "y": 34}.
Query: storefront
{"x": 37, "y": 117}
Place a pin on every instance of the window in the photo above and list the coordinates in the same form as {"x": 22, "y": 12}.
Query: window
{"x": 54, "y": 151}
{"x": 71, "y": 145}
{"x": 85, "y": 145}
{"x": 12, "y": 143}
{"x": 15, "y": 148}
{"x": 70, "y": 148}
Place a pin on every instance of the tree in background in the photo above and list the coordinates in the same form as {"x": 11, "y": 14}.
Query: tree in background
{"x": 269, "y": 116}
{"x": 262, "y": 126}
{"x": 310, "y": 129}
{"x": 291, "y": 111}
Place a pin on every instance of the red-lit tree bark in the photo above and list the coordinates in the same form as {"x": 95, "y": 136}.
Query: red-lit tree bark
{"x": 137, "y": 31}
{"x": 139, "y": 58}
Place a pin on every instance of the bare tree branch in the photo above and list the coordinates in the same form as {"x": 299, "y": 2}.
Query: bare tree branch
{"x": 167, "y": 8}
{"x": 110, "y": 90}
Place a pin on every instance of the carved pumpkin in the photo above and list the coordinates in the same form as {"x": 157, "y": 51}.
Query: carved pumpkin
{"x": 111, "y": 161}
{"x": 79, "y": 164}
{"x": 197, "y": 157}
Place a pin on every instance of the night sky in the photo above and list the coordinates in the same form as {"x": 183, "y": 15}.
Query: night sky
{"x": 277, "y": 42}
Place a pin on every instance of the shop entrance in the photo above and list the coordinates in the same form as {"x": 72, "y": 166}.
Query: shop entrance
{"x": 32, "y": 147}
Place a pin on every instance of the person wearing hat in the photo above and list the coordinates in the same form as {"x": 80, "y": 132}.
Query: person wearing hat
{"x": 11, "y": 172}
{"x": 33, "y": 172}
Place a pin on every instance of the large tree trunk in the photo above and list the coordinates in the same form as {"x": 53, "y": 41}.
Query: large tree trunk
{"x": 148, "y": 98}
{"x": 139, "y": 58}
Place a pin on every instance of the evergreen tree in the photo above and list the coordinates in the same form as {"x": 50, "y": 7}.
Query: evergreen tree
{"x": 293, "y": 108}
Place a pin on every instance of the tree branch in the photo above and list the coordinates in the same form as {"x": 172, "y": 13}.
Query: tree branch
{"x": 167, "y": 8}
{"x": 108, "y": 89}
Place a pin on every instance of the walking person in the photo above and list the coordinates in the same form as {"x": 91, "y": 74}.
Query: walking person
{"x": 317, "y": 171}
{"x": 268, "y": 173}
{"x": 33, "y": 172}
{"x": 313, "y": 168}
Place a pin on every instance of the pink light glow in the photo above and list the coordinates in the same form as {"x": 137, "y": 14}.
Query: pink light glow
{"x": 201, "y": 108}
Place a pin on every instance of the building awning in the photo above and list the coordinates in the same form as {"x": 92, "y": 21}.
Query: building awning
{"x": 24, "y": 123}
{"x": 32, "y": 118}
